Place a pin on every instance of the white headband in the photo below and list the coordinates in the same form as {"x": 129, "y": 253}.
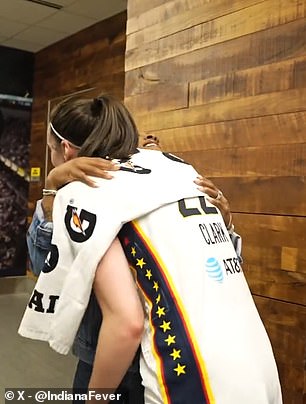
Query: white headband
{"x": 61, "y": 137}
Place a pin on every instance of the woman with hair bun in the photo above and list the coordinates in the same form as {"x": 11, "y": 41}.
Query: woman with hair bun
{"x": 195, "y": 317}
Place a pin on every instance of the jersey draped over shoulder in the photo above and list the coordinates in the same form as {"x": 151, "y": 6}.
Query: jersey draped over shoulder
{"x": 204, "y": 341}
{"x": 85, "y": 221}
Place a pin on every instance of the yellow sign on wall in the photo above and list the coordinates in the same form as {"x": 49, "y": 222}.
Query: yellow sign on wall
{"x": 35, "y": 173}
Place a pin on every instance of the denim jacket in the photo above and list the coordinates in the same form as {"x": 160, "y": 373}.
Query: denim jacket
{"x": 39, "y": 237}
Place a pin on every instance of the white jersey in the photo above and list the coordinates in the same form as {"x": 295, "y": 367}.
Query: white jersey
{"x": 85, "y": 222}
{"x": 204, "y": 341}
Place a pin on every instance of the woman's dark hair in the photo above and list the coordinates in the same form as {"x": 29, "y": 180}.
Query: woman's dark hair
{"x": 101, "y": 127}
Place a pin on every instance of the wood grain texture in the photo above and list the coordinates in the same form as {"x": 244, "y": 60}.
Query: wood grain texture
{"x": 256, "y": 18}
{"x": 270, "y": 78}
{"x": 137, "y": 7}
{"x": 285, "y": 324}
{"x": 276, "y": 44}
{"x": 276, "y": 161}
{"x": 284, "y": 129}
{"x": 267, "y": 195}
{"x": 179, "y": 16}
{"x": 244, "y": 126}
{"x": 273, "y": 255}
{"x": 227, "y": 110}
{"x": 166, "y": 98}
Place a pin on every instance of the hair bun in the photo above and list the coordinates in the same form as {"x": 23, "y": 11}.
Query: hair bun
{"x": 96, "y": 106}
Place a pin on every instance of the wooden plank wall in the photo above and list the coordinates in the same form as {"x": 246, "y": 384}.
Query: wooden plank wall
{"x": 223, "y": 84}
{"x": 93, "y": 57}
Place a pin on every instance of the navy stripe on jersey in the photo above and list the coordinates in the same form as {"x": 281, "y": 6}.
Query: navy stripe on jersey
{"x": 181, "y": 374}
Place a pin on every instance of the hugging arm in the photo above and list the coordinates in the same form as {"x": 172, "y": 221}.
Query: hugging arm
{"x": 123, "y": 319}
{"x": 39, "y": 233}
{"x": 216, "y": 197}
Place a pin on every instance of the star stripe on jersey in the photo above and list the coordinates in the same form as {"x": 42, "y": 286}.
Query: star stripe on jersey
{"x": 182, "y": 374}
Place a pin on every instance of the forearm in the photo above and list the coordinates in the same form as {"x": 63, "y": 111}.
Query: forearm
{"x": 52, "y": 183}
{"x": 47, "y": 205}
{"x": 123, "y": 319}
{"x": 117, "y": 346}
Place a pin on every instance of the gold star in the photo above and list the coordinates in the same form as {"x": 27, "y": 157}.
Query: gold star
{"x": 180, "y": 369}
{"x": 170, "y": 339}
{"x": 176, "y": 353}
{"x": 158, "y": 299}
{"x": 160, "y": 311}
{"x": 133, "y": 251}
{"x": 149, "y": 274}
{"x": 140, "y": 263}
{"x": 155, "y": 286}
{"x": 165, "y": 326}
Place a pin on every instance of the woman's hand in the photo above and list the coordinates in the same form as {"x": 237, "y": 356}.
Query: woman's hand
{"x": 216, "y": 197}
{"x": 80, "y": 168}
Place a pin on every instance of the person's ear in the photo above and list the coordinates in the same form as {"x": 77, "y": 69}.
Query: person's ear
{"x": 69, "y": 152}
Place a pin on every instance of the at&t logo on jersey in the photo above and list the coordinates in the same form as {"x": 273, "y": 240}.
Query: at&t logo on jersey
{"x": 214, "y": 270}
{"x": 217, "y": 271}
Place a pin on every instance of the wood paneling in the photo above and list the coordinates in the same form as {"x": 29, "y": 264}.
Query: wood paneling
{"x": 166, "y": 97}
{"x": 267, "y": 195}
{"x": 276, "y": 44}
{"x": 249, "y": 82}
{"x": 282, "y": 129}
{"x": 277, "y": 161}
{"x": 223, "y": 85}
{"x": 93, "y": 57}
{"x": 227, "y": 110}
{"x": 179, "y": 15}
{"x": 252, "y": 19}
{"x": 286, "y": 326}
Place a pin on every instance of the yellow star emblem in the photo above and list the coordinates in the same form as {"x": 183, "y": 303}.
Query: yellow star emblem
{"x": 170, "y": 339}
{"x": 180, "y": 369}
{"x": 176, "y": 354}
{"x": 133, "y": 251}
{"x": 160, "y": 311}
{"x": 165, "y": 326}
{"x": 149, "y": 274}
{"x": 157, "y": 299}
{"x": 140, "y": 263}
{"x": 155, "y": 286}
